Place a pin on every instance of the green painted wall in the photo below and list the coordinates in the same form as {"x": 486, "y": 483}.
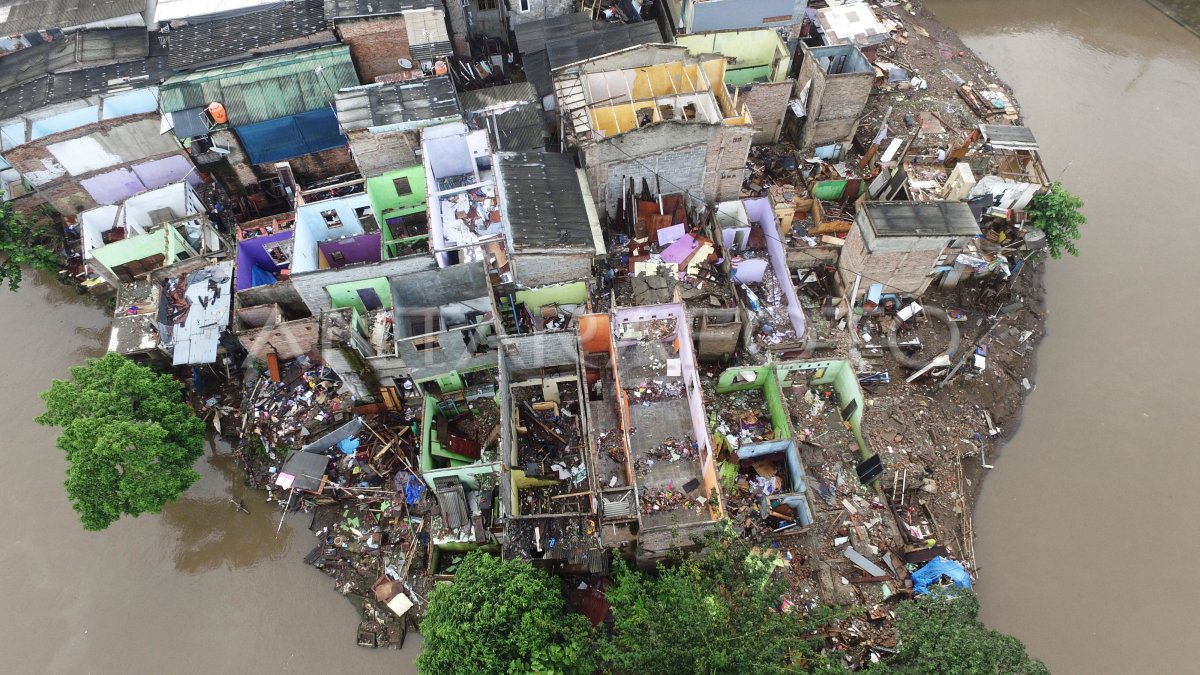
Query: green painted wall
{"x": 751, "y": 47}
{"x": 142, "y": 246}
{"x": 387, "y": 202}
{"x": 744, "y": 76}
{"x": 562, "y": 294}
{"x": 346, "y": 294}
{"x": 767, "y": 382}
{"x": 841, "y": 375}
{"x": 831, "y": 190}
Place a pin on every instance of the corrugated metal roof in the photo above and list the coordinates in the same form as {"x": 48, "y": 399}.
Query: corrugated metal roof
{"x": 189, "y": 123}
{"x": 23, "y": 15}
{"x": 511, "y": 113}
{"x": 563, "y": 40}
{"x": 75, "y": 84}
{"x": 82, "y": 48}
{"x": 1006, "y": 137}
{"x": 922, "y": 219}
{"x": 541, "y": 196}
{"x": 532, "y": 36}
{"x": 230, "y": 37}
{"x": 381, "y": 105}
{"x": 346, "y": 9}
{"x": 267, "y": 88}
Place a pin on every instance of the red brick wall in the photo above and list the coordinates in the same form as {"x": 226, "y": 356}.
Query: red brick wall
{"x": 376, "y": 45}
{"x": 314, "y": 167}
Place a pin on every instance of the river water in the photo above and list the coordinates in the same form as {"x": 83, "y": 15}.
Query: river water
{"x": 1087, "y": 527}
{"x": 198, "y": 589}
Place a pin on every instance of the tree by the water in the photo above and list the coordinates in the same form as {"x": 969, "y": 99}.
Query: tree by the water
{"x": 1056, "y": 213}
{"x": 24, "y": 242}
{"x": 130, "y": 439}
{"x": 502, "y": 617}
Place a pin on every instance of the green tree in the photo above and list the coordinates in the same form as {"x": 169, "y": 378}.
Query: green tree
{"x": 130, "y": 439}
{"x": 502, "y": 617}
{"x": 941, "y": 634}
{"x": 24, "y": 242}
{"x": 1056, "y": 213}
{"x": 715, "y": 613}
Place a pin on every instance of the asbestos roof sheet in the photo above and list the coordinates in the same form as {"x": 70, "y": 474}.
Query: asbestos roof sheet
{"x": 1007, "y": 137}
{"x": 382, "y": 105}
{"x": 69, "y": 51}
{"x": 308, "y": 468}
{"x": 266, "y": 88}
{"x": 554, "y": 43}
{"x": 75, "y": 84}
{"x": 922, "y": 219}
{"x": 511, "y": 113}
{"x": 543, "y": 201}
{"x": 17, "y": 16}
{"x": 345, "y": 9}
{"x": 208, "y": 294}
{"x": 230, "y": 37}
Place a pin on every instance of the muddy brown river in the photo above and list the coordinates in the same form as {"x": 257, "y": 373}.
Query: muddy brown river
{"x": 198, "y": 589}
{"x": 1087, "y": 536}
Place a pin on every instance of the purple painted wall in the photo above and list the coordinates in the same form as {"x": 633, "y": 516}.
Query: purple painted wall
{"x": 113, "y": 187}
{"x": 160, "y": 172}
{"x": 251, "y": 254}
{"x": 121, "y": 184}
{"x": 364, "y": 248}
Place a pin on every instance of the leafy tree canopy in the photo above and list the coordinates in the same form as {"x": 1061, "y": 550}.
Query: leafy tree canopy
{"x": 23, "y": 243}
{"x": 1057, "y": 214}
{"x": 712, "y": 614}
{"x": 941, "y": 634}
{"x": 502, "y": 617}
{"x": 130, "y": 440}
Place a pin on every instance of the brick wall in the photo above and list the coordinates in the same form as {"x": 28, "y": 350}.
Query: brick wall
{"x": 376, "y": 153}
{"x": 900, "y": 271}
{"x": 319, "y": 165}
{"x": 768, "y": 102}
{"x": 376, "y": 45}
{"x": 535, "y": 270}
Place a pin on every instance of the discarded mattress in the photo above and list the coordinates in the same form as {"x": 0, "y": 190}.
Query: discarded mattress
{"x": 937, "y": 568}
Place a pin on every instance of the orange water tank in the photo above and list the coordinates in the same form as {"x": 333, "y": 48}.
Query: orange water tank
{"x": 217, "y": 112}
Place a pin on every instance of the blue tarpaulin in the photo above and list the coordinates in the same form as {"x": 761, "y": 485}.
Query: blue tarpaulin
{"x": 287, "y": 137}
{"x": 410, "y": 485}
{"x": 348, "y": 446}
{"x": 937, "y": 568}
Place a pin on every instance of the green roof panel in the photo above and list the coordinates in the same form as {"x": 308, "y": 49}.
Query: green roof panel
{"x": 265, "y": 89}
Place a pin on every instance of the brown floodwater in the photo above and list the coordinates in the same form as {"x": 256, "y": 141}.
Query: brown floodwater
{"x": 1087, "y": 535}
{"x": 200, "y": 588}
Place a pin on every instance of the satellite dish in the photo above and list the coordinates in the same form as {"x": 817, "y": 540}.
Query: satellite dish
{"x": 405, "y": 64}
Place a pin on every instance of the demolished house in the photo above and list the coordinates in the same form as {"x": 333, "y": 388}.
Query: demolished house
{"x": 832, "y": 88}
{"x": 176, "y": 318}
{"x": 654, "y": 115}
{"x": 759, "y": 64}
{"x": 674, "y": 470}
{"x": 146, "y": 232}
{"x": 672, "y": 255}
{"x": 547, "y": 485}
{"x": 756, "y": 261}
{"x": 898, "y": 244}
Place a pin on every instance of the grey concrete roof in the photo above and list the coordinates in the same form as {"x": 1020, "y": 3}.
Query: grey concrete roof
{"x": 541, "y": 195}
{"x": 922, "y": 219}
{"x": 22, "y": 15}
{"x": 379, "y": 105}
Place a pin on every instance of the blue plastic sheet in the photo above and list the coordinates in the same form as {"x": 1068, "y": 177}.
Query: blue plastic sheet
{"x": 410, "y": 485}
{"x": 937, "y": 568}
{"x": 349, "y": 446}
